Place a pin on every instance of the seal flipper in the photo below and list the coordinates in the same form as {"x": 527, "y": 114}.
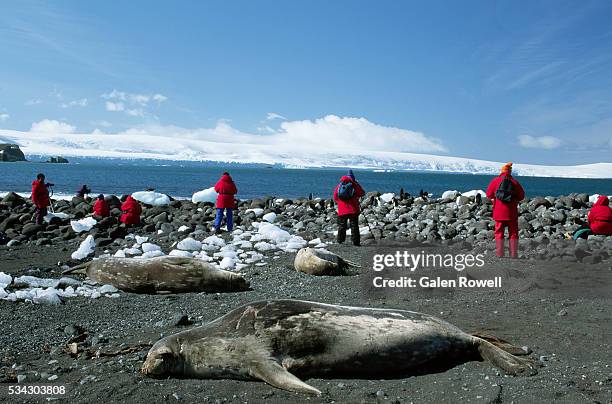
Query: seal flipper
{"x": 507, "y": 362}
{"x": 274, "y": 374}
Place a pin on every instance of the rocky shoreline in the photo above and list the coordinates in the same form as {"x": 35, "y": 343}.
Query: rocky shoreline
{"x": 545, "y": 222}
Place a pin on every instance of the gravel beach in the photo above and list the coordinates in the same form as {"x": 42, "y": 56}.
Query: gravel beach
{"x": 555, "y": 302}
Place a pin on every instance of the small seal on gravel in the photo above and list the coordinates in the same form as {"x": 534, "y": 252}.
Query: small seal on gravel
{"x": 320, "y": 262}
{"x": 162, "y": 275}
{"x": 281, "y": 341}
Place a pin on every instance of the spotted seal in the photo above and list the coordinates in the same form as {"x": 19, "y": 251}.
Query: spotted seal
{"x": 281, "y": 341}
{"x": 320, "y": 262}
{"x": 167, "y": 274}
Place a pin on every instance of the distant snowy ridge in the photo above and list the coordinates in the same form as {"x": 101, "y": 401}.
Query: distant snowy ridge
{"x": 187, "y": 148}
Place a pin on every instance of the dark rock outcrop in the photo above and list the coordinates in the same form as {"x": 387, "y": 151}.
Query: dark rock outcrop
{"x": 11, "y": 152}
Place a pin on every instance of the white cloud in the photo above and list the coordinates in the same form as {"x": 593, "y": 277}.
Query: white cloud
{"x": 75, "y": 103}
{"x": 4, "y": 117}
{"x": 34, "y": 101}
{"x": 114, "y": 106}
{"x": 132, "y": 104}
{"x": 539, "y": 142}
{"x": 52, "y": 126}
{"x": 134, "y": 99}
{"x": 159, "y": 98}
{"x": 135, "y": 112}
{"x": 354, "y": 133}
{"x": 266, "y": 129}
{"x": 273, "y": 115}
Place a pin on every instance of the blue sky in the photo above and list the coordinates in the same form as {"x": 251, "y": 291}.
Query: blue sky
{"x": 498, "y": 80}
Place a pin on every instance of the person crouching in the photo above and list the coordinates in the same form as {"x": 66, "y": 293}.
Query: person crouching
{"x": 131, "y": 211}
{"x": 346, "y": 195}
{"x": 226, "y": 189}
{"x": 100, "y": 208}
{"x": 506, "y": 192}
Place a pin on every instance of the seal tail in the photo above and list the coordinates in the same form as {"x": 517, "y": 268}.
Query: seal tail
{"x": 274, "y": 374}
{"x": 500, "y": 343}
{"x": 82, "y": 268}
{"x": 351, "y": 263}
{"x": 505, "y": 361}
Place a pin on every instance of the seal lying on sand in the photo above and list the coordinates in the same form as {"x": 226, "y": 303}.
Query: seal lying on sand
{"x": 278, "y": 341}
{"x": 320, "y": 262}
{"x": 162, "y": 275}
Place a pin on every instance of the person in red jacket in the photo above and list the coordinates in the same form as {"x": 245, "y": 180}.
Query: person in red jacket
{"x": 226, "y": 189}
{"x": 347, "y": 195}
{"x": 101, "y": 208}
{"x": 600, "y": 216}
{"x": 131, "y": 211}
{"x": 506, "y": 192}
{"x": 40, "y": 198}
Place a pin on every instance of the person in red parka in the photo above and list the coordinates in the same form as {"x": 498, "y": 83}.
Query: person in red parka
{"x": 347, "y": 195}
{"x": 101, "y": 208}
{"x": 506, "y": 192}
{"x": 600, "y": 216}
{"x": 40, "y": 198}
{"x": 226, "y": 189}
{"x": 131, "y": 211}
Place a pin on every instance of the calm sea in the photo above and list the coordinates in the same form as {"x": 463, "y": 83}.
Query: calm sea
{"x": 181, "y": 179}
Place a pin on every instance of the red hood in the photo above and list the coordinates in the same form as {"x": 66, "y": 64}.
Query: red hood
{"x": 346, "y": 178}
{"x": 602, "y": 201}
{"x": 226, "y": 178}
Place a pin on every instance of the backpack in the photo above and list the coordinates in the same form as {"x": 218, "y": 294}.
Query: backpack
{"x": 504, "y": 191}
{"x": 346, "y": 191}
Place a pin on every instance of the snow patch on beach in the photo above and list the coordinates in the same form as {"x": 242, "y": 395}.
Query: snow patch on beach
{"x": 206, "y": 195}
{"x": 151, "y": 198}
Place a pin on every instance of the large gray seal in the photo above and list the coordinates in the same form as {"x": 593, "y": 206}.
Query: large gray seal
{"x": 281, "y": 341}
{"x": 162, "y": 274}
{"x": 320, "y": 262}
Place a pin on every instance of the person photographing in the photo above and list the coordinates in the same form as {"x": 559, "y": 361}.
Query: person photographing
{"x": 40, "y": 198}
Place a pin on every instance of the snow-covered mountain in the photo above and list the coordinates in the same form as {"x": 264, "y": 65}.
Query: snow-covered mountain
{"x": 144, "y": 145}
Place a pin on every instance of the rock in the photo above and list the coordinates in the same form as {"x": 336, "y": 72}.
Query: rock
{"x": 160, "y": 218}
{"x": 117, "y": 232}
{"x": 103, "y": 242}
{"x": 180, "y": 320}
{"x": 30, "y": 229}
{"x": 11, "y": 152}
{"x": 12, "y": 199}
{"x": 57, "y": 160}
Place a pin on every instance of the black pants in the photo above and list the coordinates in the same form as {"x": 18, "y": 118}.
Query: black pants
{"x": 39, "y": 215}
{"x": 354, "y": 222}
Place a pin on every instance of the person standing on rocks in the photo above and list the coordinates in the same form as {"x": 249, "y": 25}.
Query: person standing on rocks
{"x": 506, "y": 192}
{"x": 40, "y": 198}
{"x": 131, "y": 211}
{"x": 347, "y": 195}
{"x": 100, "y": 208}
{"x": 226, "y": 189}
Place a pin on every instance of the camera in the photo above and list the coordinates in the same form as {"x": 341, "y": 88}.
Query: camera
{"x": 50, "y": 184}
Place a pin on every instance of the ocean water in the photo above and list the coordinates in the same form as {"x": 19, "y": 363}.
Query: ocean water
{"x": 180, "y": 179}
